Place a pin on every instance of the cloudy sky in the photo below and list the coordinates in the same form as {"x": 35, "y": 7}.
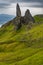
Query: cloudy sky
{"x": 9, "y": 6}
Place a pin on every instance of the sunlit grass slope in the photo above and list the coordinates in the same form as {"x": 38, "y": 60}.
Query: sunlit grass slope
{"x": 21, "y": 47}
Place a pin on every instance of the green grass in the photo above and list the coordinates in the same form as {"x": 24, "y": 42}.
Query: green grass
{"x": 38, "y": 18}
{"x": 22, "y": 47}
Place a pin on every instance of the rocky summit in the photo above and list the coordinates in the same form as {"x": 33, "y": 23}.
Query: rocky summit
{"x": 19, "y": 20}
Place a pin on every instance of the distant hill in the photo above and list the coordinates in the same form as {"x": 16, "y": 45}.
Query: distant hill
{"x": 5, "y": 17}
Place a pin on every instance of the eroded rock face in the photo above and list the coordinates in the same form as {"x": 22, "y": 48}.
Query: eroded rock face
{"x": 27, "y": 13}
{"x": 28, "y": 17}
{"x": 18, "y": 11}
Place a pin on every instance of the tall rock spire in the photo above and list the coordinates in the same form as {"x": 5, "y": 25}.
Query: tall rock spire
{"x": 18, "y": 11}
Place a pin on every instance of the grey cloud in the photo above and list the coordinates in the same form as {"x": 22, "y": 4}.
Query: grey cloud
{"x": 6, "y": 3}
{"x": 31, "y": 4}
{"x": 23, "y": 1}
{"x": 3, "y": 5}
{"x": 38, "y": 6}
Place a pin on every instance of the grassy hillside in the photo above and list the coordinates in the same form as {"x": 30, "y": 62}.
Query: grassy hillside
{"x": 22, "y": 47}
{"x": 38, "y": 18}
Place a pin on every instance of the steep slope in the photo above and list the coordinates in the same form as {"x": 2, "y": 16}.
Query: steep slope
{"x": 21, "y": 40}
{"x": 21, "y": 47}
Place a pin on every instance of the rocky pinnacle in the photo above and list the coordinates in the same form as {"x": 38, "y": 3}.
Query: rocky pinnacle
{"x": 18, "y": 11}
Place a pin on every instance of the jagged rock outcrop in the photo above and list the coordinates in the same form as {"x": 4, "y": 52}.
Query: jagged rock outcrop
{"x": 18, "y": 11}
{"x": 22, "y": 20}
{"x": 27, "y": 13}
{"x": 28, "y": 17}
{"x": 19, "y": 20}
